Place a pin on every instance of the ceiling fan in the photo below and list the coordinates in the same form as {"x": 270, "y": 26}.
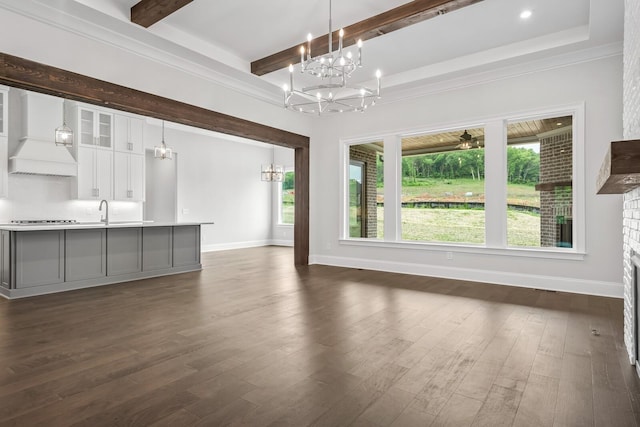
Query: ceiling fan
{"x": 468, "y": 142}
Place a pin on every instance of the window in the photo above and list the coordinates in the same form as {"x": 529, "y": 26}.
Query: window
{"x": 506, "y": 184}
{"x": 287, "y": 198}
{"x": 443, "y": 187}
{"x": 366, "y": 191}
{"x": 540, "y": 182}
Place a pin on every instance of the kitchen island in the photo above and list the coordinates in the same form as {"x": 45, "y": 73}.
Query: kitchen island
{"x": 41, "y": 259}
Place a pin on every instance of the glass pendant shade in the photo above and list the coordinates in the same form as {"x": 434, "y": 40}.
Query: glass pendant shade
{"x": 272, "y": 173}
{"x": 161, "y": 151}
{"x": 64, "y": 135}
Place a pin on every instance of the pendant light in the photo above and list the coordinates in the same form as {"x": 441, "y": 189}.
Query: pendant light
{"x": 272, "y": 172}
{"x": 64, "y": 134}
{"x": 162, "y": 151}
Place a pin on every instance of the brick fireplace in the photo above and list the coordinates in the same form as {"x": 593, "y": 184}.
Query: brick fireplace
{"x": 631, "y": 122}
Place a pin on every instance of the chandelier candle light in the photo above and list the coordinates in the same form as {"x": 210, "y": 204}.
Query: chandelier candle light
{"x": 333, "y": 94}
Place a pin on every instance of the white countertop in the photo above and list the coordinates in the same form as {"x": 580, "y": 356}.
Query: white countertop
{"x": 85, "y": 225}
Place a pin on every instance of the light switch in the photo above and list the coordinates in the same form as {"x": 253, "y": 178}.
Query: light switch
{"x": 185, "y": 211}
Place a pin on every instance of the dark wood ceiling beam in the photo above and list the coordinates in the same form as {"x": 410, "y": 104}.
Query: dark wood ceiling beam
{"x": 384, "y": 23}
{"x": 30, "y": 75}
{"x": 148, "y": 12}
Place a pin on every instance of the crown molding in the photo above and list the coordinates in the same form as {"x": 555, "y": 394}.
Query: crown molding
{"x": 488, "y": 66}
{"x": 92, "y": 24}
{"x": 441, "y": 83}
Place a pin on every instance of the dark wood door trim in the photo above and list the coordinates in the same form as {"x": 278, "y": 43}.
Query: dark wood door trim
{"x": 148, "y": 12}
{"x": 37, "y": 77}
{"x": 386, "y": 22}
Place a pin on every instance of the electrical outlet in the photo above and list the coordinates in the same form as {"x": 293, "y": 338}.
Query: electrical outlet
{"x": 449, "y": 255}
{"x": 185, "y": 211}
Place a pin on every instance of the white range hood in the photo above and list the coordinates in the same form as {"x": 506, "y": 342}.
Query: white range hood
{"x": 37, "y": 153}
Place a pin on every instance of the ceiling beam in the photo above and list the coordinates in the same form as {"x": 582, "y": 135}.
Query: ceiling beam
{"x": 25, "y": 74}
{"x": 148, "y": 12}
{"x": 386, "y": 22}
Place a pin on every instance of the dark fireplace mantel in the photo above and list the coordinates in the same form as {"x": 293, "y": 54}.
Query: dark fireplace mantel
{"x": 620, "y": 170}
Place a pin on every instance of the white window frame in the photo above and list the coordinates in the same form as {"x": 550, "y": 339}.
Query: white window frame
{"x": 495, "y": 178}
{"x": 280, "y": 223}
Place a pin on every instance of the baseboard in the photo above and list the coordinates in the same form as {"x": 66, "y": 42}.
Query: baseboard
{"x": 234, "y": 245}
{"x": 276, "y": 242}
{"x": 243, "y": 245}
{"x": 552, "y": 283}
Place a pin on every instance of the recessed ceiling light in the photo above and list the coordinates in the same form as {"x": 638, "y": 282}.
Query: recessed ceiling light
{"x": 526, "y": 14}
{"x": 559, "y": 123}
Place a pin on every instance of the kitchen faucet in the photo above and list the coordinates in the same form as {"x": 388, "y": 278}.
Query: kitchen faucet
{"x": 104, "y": 219}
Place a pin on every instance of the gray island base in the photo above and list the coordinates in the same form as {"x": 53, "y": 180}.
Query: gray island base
{"x": 47, "y": 259}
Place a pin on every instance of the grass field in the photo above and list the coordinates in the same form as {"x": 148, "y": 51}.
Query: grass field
{"x": 463, "y": 226}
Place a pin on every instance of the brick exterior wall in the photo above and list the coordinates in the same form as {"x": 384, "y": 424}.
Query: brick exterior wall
{"x": 556, "y": 165}
{"x": 631, "y": 122}
{"x": 368, "y": 157}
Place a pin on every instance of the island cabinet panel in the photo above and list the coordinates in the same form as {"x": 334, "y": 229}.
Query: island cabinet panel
{"x": 39, "y": 258}
{"x": 157, "y": 248}
{"x": 5, "y": 259}
{"x": 186, "y": 245}
{"x": 124, "y": 251}
{"x": 85, "y": 254}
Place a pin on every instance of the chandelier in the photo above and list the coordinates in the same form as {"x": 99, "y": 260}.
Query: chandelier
{"x": 333, "y": 93}
{"x": 272, "y": 172}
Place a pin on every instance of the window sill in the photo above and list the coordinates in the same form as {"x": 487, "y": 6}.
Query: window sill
{"x": 551, "y": 253}
{"x": 284, "y": 225}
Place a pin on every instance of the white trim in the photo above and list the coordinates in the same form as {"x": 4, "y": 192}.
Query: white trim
{"x": 281, "y": 242}
{"x": 563, "y": 284}
{"x": 550, "y": 253}
{"x": 235, "y": 245}
{"x": 429, "y": 84}
{"x": 576, "y": 110}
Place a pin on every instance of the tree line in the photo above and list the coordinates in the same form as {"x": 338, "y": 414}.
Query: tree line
{"x": 523, "y": 166}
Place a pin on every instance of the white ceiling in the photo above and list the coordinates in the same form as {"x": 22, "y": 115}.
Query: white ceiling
{"x": 489, "y": 35}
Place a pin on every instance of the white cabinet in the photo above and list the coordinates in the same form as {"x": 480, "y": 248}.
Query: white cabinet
{"x": 94, "y": 128}
{"x": 128, "y": 133}
{"x": 128, "y": 177}
{"x": 94, "y": 178}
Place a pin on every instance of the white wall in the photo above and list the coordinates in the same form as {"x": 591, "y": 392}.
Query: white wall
{"x": 219, "y": 181}
{"x": 597, "y": 84}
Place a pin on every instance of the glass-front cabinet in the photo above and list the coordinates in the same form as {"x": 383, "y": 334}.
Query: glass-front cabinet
{"x": 95, "y": 128}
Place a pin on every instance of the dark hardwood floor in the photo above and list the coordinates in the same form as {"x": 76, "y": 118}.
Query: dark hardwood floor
{"x": 254, "y": 341}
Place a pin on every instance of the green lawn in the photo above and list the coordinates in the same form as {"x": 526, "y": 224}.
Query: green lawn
{"x": 463, "y": 226}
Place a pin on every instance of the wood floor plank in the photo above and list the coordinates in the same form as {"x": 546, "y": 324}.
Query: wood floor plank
{"x": 252, "y": 340}
{"x": 540, "y": 392}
